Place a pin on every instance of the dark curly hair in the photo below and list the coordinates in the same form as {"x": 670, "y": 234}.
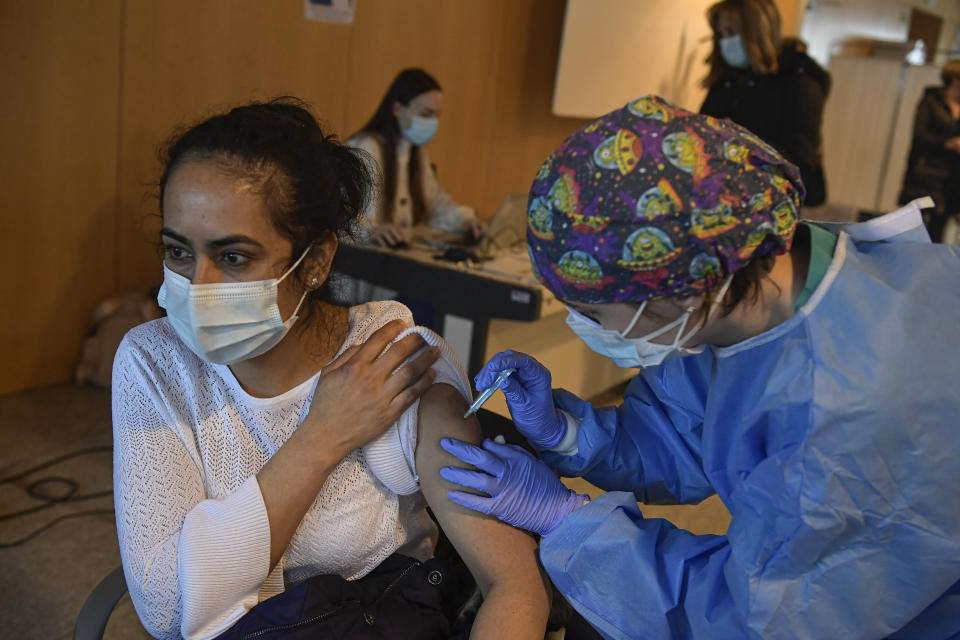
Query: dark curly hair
{"x": 312, "y": 184}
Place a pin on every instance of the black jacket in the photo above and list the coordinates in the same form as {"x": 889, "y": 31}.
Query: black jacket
{"x": 785, "y": 109}
{"x": 932, "y": 169}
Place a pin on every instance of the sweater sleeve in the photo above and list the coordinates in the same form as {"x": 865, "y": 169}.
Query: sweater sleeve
{"x": 193, "y": 565}
{"x": 445, "y": 213}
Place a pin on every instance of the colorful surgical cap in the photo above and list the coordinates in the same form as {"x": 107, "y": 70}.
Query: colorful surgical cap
{"x": 652, "y": 201}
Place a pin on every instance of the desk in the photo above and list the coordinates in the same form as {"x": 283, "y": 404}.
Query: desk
{"x": 498, "y": 289}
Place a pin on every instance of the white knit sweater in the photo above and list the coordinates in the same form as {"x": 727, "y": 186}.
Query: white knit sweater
{"x": 193, "y": 528}
{"x": 442, "y": 210}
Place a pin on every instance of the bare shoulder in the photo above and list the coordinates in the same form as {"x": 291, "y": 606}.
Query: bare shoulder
{"x": 441, "y": 416}
{"x": 476, "y": 536}
{"x": 503, "y": 560}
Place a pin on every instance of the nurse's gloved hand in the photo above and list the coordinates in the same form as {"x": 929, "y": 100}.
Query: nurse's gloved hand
{"x": 529, "y": 397}
{"x": 524, "y": 492}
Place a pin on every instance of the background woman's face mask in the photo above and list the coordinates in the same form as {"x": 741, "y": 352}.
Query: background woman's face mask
{"x": 421, "y": 130}
{"x": 225, "y": 323}
{"x": 733, "y": 53}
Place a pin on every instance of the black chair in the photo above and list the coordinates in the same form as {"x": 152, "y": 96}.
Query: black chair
{"x": 93, "y": 617}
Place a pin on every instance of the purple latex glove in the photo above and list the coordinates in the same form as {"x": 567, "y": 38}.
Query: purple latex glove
{"x": 529, "y": 397}
{"x": 524, "y": 492}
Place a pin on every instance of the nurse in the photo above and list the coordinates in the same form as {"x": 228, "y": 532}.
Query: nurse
{"x": 805, "y": 374}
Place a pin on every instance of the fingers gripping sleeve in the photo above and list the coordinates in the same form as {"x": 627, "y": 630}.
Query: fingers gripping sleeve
{"x": 391, "y": 457}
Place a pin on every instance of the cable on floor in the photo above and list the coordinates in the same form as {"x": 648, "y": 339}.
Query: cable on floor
{"x": 34, "y": 490}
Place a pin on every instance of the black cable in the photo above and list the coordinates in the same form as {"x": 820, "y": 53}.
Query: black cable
{"x": 36, "y": 532}
{"x": 48, "y": 463}
{"x": 33, "y": 490}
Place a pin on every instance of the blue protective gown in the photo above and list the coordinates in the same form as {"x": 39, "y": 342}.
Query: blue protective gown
{"x": 834, "y": 441}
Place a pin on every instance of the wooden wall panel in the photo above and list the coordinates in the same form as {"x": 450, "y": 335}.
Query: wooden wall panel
{"x": 524, "y": 130}
{"x": 96, "y": 86}
{"x": 857, "y": 120}
{"x": 183, "y": 60}
{"x": 458, "y": 44}
{"x": 58, "y": 67}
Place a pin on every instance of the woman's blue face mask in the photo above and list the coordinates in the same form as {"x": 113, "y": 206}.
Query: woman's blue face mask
{"x": 421, "y": 130}
{"x": 733, "y": 53}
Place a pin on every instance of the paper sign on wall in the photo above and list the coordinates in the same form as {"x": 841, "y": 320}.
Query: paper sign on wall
{"x": 336, "y": 11}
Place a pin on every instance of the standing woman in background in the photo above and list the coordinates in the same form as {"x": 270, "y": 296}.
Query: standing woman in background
{"x": 775, "y": 91}
{"x": 933, "y": 168}
{"x": 395, "y": 137}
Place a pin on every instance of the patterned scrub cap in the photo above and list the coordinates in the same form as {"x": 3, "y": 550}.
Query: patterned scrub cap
{"x": 652, "y": 201}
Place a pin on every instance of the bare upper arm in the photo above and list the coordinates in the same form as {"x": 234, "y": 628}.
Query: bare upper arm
{"x": 491, "y": 549}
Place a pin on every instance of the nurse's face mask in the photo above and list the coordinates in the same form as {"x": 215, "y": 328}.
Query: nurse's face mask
{"x": 641, "y": 352}
{"x": 228, "y": 322}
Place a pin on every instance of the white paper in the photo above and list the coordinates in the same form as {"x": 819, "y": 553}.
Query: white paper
{"x": 336, "y": 11}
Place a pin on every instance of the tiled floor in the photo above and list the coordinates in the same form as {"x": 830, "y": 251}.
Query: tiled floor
{"x": 45, "y": 580}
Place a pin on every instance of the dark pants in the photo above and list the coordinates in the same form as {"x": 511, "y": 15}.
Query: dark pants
{"x": 400, "y": 599}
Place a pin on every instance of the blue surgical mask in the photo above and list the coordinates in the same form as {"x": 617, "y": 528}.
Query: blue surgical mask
{"x": 641, "y": 352}
{"x": 732, "y": 51}
{"x": 421, "y": 130}
{"x": 227, "y": 322}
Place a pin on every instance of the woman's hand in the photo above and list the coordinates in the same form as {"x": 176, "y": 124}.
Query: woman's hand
{"x": 476, "y": 228}
{"x": 388, "y": 235}
{"x": 365, "y": 390}
{"x": 358, "y": 396}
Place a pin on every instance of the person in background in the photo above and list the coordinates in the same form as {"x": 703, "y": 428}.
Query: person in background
{"x": 771, "y": 87}
{"x": 266, "y": 439}
{"x": 933, "y": 167}
{"x": 395, "y": 138}
{"x": 804, "y": 374}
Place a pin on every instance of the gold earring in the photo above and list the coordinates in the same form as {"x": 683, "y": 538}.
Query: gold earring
{"x": 314, "y": 282}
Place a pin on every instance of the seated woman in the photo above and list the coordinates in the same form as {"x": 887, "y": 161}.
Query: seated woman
{"x": 251, "y": 440}
{"x": 395, "y": 138}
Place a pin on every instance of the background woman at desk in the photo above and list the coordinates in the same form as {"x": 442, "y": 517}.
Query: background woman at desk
{"x": 396, "y": 137}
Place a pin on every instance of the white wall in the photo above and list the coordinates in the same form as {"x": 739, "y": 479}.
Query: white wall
{"x": 614, "y": 51}
{"x": 828, "y": 21}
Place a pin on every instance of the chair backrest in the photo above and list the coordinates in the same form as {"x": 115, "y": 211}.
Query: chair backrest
{"x": 93, "y": 616}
